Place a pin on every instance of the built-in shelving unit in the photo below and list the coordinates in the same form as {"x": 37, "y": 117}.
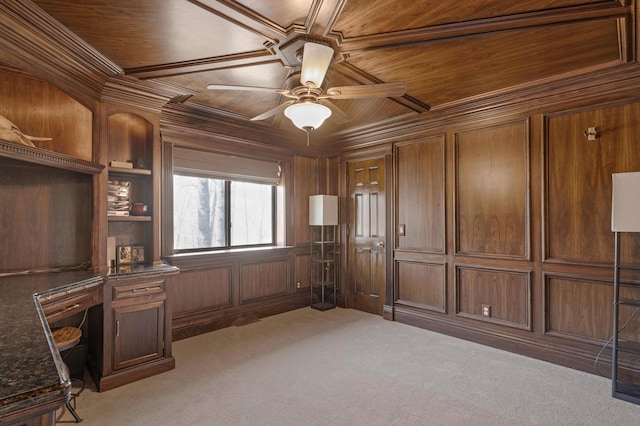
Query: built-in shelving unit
{"x": 131, "y": 140}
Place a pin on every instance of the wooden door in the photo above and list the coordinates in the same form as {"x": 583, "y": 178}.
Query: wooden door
{"x": 366, "y": 239}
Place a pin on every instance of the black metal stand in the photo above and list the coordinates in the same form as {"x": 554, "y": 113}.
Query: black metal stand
{"x": 322, "y": 267}
{"x": 622, "y": 388}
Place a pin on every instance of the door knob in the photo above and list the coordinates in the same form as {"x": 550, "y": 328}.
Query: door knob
{"x": 380, "y": 244}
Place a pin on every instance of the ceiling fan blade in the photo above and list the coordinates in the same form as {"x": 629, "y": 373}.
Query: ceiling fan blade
{"x": 283, "y": 92}
{"x": 382, "y": 90}
{"x": 337, "y": 115}
{"x": 272, "y": 111}
{"x": 315, "y": 62}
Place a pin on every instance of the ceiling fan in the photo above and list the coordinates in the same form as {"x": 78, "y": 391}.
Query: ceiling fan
{"x": 308, "y": 105}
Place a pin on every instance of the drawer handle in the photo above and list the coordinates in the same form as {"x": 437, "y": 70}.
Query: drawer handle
{"x": 68, "y": 308}
{"x": 118, "y": 328}
{"x": 140, "y": 290}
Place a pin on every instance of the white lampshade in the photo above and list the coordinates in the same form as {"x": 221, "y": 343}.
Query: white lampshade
{"x": 323, "y": 210}
{"x": 625, "y": 202}
{"x": 315, "y": 61}
{"x": 307, "y": 115}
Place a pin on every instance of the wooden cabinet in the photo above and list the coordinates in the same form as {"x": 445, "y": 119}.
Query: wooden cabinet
{"x": 138, "y": 312}
{"x": 131, "y": 329}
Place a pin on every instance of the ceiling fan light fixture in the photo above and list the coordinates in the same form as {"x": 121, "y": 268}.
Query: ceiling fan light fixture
{"x": 315, "y": 61}
{"x": 307, "y": 115}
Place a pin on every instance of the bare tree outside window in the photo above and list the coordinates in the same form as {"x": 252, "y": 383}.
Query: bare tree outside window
{"x": 199, "y": 210}
{"x": 200, "y": 214}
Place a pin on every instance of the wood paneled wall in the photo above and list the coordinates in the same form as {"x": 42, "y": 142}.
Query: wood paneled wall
{"x": 514, "y": 215}
{"x": 46, "y": 217}
{"x": 219, "y": 289}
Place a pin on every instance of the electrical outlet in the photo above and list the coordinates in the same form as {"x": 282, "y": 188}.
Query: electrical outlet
{"x": 298, "y": 285}
{"x": 486, "y": 311}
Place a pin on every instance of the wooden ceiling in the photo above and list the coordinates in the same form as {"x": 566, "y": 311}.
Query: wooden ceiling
{"x": 448, "y": 53}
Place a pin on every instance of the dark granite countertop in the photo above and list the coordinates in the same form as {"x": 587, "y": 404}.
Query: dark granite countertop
{"x": 30, "y": 365}
{"x": 31, "y": 372}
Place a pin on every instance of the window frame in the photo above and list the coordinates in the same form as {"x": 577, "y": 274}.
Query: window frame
{"x": 227, "y": 217}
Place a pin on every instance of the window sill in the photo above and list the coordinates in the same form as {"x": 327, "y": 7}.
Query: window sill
{"x": 225, "y": 256}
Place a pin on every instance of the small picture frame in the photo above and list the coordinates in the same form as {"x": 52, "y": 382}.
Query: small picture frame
{"x": 123, "y": 255}
{"x": 137, "y": 254}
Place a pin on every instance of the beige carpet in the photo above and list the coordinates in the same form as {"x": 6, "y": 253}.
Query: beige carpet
{"x": 345, "y": 367}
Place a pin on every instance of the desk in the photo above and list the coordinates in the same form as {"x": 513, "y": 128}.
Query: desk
{"x": 33, "y": 382}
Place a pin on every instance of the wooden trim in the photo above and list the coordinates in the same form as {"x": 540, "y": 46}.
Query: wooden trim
{"x": 47, "y": 158}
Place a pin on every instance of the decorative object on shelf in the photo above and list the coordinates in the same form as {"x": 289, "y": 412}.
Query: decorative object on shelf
{"x": 10, "y": 132}
{"x": 625, "y": 217}
{"x": 118, "y": 198}
{"x": 323, "y": 219}
{"x": 111, "y": 252}
{"x": 137, "y": 254}
{"x": 139, "y": 209}
{"x": 123, "y": 255}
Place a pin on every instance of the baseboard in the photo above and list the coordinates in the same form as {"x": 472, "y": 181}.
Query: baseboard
{"x": 185, "y": 326}
{"x": 545, "y": 350}
{"x": 133, "y": 374}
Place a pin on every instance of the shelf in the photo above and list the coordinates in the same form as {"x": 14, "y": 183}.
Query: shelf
{"x": 327, "y": 284}
{"x": 47, "y": 158}
{"x": 129, "y": 218}
{"x": 125, "y": 171}
{"x": 323, "y": 306}
{"x": 629, "y": 302}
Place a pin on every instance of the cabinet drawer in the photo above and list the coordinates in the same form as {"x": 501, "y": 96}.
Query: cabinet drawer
{"x": 68, "y": 305}
{"x": 145, "y": 288}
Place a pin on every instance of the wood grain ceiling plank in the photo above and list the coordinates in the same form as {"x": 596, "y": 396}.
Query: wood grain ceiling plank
{"x": 605, "y": 11}
{"x": 286, "y": 14}
{"x": 243, "y": 17}
{"x": 369, "y": 17}
{"x": 456, "y": 69}
{"x": 141, "y": 33}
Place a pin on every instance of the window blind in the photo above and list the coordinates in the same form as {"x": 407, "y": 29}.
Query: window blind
{"x": 227, "y": 167}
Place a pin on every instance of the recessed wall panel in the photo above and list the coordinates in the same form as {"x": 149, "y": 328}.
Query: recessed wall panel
{"x": 420, "y": 195}
{"x": 262, "y": 280}
{"x": 422, "y": 285}
{"x": 507, "y": 294}
{"x": 492, "y": 191}
{"x": 201, "y": 290}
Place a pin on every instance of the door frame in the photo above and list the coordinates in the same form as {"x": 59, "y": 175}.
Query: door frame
{"x": 346, "y": 161}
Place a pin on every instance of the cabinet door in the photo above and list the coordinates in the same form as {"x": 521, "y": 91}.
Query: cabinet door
{"x": 138, "y": 333}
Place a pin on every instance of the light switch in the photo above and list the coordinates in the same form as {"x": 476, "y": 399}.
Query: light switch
{"x": 401, "y": 230}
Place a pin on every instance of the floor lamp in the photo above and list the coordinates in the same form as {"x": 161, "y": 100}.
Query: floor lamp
{"x": 625, "y": 217}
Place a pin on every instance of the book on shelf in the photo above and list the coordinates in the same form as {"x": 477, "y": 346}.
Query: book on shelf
{"x": 118, "y": 202}
{"x": 121, "y": 164}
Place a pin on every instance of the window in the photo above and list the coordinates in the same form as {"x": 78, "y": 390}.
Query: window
{"x": 222, "y": 201}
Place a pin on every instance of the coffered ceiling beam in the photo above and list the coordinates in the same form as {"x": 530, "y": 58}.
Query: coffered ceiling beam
{"x": 207, "y": 64}
{"x": 356, "y": 74}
